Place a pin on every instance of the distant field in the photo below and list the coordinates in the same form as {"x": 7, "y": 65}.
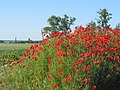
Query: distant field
{"x": 11, "y": 51}
{"x": 5, "y": 46}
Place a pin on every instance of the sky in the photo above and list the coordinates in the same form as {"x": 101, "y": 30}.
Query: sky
{"x": 24, "y": 19}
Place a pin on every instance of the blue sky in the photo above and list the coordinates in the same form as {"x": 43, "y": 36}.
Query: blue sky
{"x": 25, "y": 18}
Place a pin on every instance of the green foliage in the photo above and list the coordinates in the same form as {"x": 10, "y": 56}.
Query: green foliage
{"x": 59, "y": 24}
{"x": 92, "y": 24}
{"x": 7, "y": 56}
{"x": 104, "y": 17}
{"x": 84, "y": 60}
{"x": 117, "y": 26}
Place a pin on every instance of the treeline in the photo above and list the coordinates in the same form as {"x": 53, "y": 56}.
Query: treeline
{"x": 2, "y": 41}
{"x": 28, "y": 41}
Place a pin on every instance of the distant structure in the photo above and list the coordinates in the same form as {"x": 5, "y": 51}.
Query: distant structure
{"x": 29, "y": 40}
{"x": 15, "y": 40}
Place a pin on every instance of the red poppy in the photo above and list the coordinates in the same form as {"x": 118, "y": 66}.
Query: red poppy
{"x": 97, "y": 63}
{"x": 93, "y": 54}
{"x": 49, "y": 62}
{"x": 80, "y": 60}
{"x": 10, "y": 67}
{"x": 35, "y": 84}
{"x": 31, "y": 68}
{"x": 23, "y": 66}
{"x": 94, "y": 87}
{"x": 86, "y": 54}
{"x": 69, "y": 78}
{"x": 83, "y": 68}
{"x": 88, "y": 67}
{"x": 75, "y": 67}
{"x": 64, "y": 80}
{"x": 61, "y": 70}
{"x": 76, "y": 62}
{"x": 59, "y": 62}
{"x": 117, "y": 58}
{"x": 88, "y": 79}
{"x": 85, "y": 80}
{"x": 55, "y": 86}
{"x": 49, "y": 57}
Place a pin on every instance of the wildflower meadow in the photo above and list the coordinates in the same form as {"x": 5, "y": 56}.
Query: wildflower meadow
{"x": 83, "y": 59}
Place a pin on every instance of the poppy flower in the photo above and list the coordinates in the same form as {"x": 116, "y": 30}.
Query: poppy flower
{"x": 83, "y": 68}
{"x": 55, "y": 86}
{"x": 10, "y": 67}
{"x": 80, "y": 60}
{"x": 94, "y": 87}
{"x": 23, "y": 66}
{"x": 85, "y": 80}
{"x": 35, "y": 84}
{"x": 59, "y": 62}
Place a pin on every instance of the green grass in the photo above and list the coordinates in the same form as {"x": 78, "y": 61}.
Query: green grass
{"x": 12, "y": 52}
{"x": 9, "y": 53}
{"x": 6, "y": 46}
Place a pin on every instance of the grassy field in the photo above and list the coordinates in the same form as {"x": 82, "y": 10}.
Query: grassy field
{"x": 6, "y": 46}
{"x": 8, "y": 53}
{"x": 11, "y": 52}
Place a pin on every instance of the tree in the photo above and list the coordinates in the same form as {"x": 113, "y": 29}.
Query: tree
{"x": 92, "y": 24}
{"x": 117, "y": 26}
{"x": 104, "y": 17}
{"x": 57, "y": 24}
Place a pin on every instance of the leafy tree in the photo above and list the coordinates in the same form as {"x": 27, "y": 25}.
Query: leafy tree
{"x": 57, "y": 24}
{"x": 117, "y": 26}
{"x": 92, "y": 24}
{"x": 104, "y": 17}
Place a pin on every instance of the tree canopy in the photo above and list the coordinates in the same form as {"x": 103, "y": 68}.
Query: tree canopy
{"x": 117, "y": 26}
{"x": 57, "y": 24}
{"x": 104, "y": 17}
